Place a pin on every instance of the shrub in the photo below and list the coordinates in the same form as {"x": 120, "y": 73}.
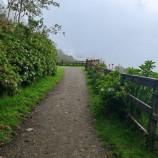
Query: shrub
{"x": 24, "y": 56}
{"x": 112, "y": 89}
{"x": 109, "y": 87}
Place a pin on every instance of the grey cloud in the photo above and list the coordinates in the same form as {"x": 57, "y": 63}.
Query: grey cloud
{"x": 118, "y": 32}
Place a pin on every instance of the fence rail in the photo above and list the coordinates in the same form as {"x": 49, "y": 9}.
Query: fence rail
{"x": 143, "y": 81}
{"x": 71, "y": 63}
{"x": 140, "y": 103}
{"x": 151, "y": 110}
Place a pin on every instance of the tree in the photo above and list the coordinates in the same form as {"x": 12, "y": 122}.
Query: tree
{"x": 2, "y": 10}
{"x": 34, "y": 8}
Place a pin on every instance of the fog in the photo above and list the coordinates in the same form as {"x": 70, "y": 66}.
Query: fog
{"x": 120, "y": 32}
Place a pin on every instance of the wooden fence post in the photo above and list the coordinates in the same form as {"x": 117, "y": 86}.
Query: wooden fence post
{"x": 86, "y": 64}
{"x": 152, "y": 125}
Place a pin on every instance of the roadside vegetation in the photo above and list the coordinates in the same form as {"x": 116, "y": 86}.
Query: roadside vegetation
{"x": 16, "y": 108}
{"x": 26, "y": 52}
{"x": 110, "y": 107}
{"x": 27, "y": 61}
{"x": 25, "y": 55}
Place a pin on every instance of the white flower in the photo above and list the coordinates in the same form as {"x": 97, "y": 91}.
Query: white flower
{"x": 102, "y": 89}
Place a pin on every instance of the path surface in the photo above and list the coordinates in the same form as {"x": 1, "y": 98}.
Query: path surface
{"x": 62, "y": 125}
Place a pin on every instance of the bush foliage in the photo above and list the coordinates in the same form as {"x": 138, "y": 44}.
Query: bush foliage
{"x": 25, "y": 54}
{"x": 112, "y": 89}
{"x": 108, "y": 87}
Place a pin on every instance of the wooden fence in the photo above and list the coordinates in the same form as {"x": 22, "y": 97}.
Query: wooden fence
{"x": 71, "y": 63}
{"x": 152, "y": 111}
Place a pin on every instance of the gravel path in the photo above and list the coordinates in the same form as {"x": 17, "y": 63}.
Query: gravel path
{"x": 62, "y": 125}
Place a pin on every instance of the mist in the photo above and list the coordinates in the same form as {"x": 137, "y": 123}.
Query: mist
{"x": 120, "y": 32}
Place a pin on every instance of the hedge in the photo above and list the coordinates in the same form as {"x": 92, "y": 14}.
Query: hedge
{"x": 25, "y": 55}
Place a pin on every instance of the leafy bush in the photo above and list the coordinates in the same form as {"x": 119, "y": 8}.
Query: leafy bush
{"x": 141, "y": 92}
{"x": 24, "y": 56}
{"x": 108, "y": 87}
{"x": 112, "y": 89}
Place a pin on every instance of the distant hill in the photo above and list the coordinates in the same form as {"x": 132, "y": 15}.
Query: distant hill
{"x": 64, "y": 57}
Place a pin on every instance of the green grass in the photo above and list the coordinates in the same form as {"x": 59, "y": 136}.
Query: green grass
{"x": 117, "y": 136}
{"x": 17, "y": 108}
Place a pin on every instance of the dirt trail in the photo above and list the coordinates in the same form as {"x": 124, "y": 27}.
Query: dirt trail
{"x": 62, "y": 125}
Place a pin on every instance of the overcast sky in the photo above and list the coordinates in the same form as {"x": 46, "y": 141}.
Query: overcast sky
{"x": 118, "y": 31}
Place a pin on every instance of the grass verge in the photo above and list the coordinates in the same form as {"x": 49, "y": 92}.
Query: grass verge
{"x": 17, "y": 108}
{"x": 117, "y": 136}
